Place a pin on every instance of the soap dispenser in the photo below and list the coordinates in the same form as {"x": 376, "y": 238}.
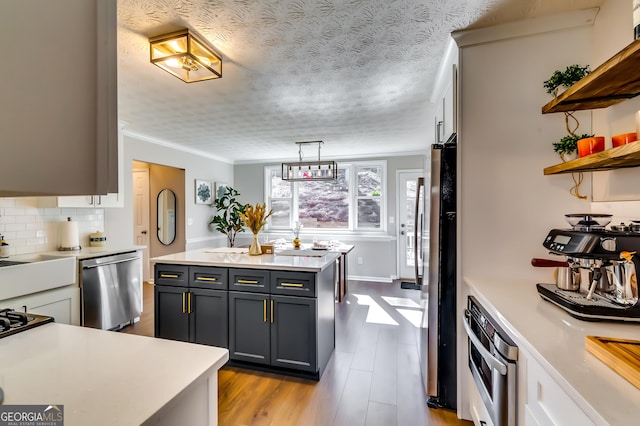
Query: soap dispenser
{"x": 4, "y": 247}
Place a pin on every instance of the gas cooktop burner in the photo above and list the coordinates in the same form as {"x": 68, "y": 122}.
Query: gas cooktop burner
{"x": 12, "y": 321}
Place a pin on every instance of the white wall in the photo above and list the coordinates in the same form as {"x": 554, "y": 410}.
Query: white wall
{"x": 29, "y": 228}
{"x": 119, "y": 221}
{"x": 507, "y": 205}
{"x": 613, "y": 31}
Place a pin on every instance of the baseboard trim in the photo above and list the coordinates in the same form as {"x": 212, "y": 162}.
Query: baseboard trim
{"x": 374, "y": 279}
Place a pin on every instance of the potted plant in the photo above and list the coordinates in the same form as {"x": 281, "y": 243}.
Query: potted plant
{"x": 228, "y": 220}
{"x": 568, "y": 145}
{"x": 566, "y": 78}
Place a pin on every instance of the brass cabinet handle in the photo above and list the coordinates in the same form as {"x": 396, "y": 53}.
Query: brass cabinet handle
{"x": 264, "y": 310}
{"x": 189, "y": 303}
{"x": 271, "y": 311}
{"x": 184, "y": 309}
{"x": 206, "y": 279}
{"x": 248, "y": 282}
{"x": 291, "y": 285}
{"x": 169, "y": 275}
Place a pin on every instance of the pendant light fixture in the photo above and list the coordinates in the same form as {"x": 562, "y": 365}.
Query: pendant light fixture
{"x": 309, "y": 170}
{"x": 186, "y": 56}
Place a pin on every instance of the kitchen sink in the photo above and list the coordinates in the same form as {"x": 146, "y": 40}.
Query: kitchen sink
{"x": 32, "y": 273}
{"x": 10, "y": 263}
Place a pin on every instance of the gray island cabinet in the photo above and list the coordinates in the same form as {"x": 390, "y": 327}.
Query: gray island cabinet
{"x": 274, "y": 313}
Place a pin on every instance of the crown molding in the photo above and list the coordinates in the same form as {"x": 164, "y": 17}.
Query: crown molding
{"x": 526, "y": 27}
{"x": 341, "y": 158}
{"x": 175, "y": 146}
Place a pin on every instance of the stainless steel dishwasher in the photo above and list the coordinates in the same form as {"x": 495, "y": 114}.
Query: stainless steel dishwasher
{"x": 111, "y": 288}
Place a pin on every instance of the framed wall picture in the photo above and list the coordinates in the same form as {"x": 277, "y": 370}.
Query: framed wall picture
{"x": 204, "y": 193}
{"x": 220, "y": 188}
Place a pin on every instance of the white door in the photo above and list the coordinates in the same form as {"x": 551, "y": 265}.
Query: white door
{"x": 141, "y": 217}
{"x": 407, "y": 193}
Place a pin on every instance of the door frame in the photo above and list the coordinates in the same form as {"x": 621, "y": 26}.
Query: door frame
{"x": 146, "y": 266}
{"x": 399, "y": 252}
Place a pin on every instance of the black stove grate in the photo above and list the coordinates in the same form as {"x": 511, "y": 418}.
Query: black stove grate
{"x": 12, "y": 321}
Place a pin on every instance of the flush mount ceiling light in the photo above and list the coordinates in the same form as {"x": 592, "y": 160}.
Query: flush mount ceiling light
{"x": 309, "y": 170}
{"x": 186, "y": 56}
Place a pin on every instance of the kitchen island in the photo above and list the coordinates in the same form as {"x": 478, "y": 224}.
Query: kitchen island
{"x": 273, "y": 312}
{"x": 560, "y": 382}
{"x": 104, "y": 377}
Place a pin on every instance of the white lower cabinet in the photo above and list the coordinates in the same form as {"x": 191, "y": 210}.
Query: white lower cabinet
{"x": 546, "y": 403}
{"x": 63, "y": 304}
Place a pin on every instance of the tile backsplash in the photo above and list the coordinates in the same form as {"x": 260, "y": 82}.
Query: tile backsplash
{"x": 29, "y": 228}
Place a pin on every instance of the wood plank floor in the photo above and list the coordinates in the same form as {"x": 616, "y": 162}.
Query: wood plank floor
{"x": 373, "y": 377}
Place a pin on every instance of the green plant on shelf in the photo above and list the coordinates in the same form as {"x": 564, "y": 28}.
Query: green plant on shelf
{"x": 566, "y": 78}
{"x": 568, "y": 145}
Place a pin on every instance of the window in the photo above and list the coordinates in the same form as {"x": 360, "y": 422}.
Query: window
{"x": 369, "y": 185}
{"x": 355, "y": 201}
{"x": 280, "y": 200}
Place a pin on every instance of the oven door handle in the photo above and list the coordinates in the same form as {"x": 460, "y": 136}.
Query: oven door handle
{"x": 492, "y": 361}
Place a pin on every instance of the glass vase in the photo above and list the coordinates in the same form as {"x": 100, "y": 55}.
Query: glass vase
{"x": 254, "y": 248}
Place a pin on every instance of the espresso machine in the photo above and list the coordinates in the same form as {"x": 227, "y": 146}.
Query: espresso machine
{"x": 609, "y": 257}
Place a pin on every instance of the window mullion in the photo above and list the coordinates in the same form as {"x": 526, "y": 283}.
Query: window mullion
{"x": 294, "y": 204}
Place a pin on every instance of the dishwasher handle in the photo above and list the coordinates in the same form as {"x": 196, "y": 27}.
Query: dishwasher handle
{"x": 113, "y": 262}
{"x": 492, "y": 361}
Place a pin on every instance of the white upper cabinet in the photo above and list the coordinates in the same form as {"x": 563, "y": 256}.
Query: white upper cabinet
{"x": 449, "y": 106}
{"x": 58, "y": 109}
{"x": 445, "y": 95}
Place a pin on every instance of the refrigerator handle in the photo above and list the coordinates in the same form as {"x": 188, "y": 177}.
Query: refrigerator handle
{"x": 417, "y": 225}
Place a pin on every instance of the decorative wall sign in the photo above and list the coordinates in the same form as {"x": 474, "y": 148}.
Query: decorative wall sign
{"x": 204, "y": 194}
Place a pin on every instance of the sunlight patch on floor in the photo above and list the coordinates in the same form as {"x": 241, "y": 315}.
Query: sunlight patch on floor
{"x": 411, "y": 315}
{"x": 400, "y": 301}
{"x": 376, "y": 313}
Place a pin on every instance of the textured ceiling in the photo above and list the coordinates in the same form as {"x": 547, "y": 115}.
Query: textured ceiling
{"x": 357, "y": 74}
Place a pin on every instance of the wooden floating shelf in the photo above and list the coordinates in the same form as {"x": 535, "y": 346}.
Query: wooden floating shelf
{"x": 615, "y": 158}
{"x": 614, "y": 81}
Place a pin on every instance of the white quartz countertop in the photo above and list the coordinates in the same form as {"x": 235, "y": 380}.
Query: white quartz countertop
{"x": 101, "y": 377}
{"x": 89, "y": 252}
{"x": 265, "y": 261}
{"x": 557, "y": 341}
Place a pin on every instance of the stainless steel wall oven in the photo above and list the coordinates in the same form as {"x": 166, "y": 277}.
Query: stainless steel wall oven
{"x": 493, "y": 363}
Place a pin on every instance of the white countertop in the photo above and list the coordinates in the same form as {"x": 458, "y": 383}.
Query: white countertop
{"x": 557, "y": 341}
{"x": 101, "y": 377}
{"x": 89, "y": 252}
{"x": 265, "y": 261}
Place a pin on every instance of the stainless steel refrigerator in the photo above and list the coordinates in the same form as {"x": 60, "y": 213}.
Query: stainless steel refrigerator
{"x": 437, "y": 257}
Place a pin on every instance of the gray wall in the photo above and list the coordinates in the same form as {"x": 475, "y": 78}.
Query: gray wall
{"x": 378, "y": 253}
{"x": 119, "y": 221}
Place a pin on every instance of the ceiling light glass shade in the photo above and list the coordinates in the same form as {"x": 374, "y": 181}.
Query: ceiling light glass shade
{"x": 310, "y": 170}
{"x": 185, "y": 56}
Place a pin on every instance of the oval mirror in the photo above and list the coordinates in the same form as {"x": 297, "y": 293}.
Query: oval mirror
{"x": 166, "y": 216}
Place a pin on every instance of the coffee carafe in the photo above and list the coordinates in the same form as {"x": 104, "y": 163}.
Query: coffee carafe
{"x": 622, "y": 278}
